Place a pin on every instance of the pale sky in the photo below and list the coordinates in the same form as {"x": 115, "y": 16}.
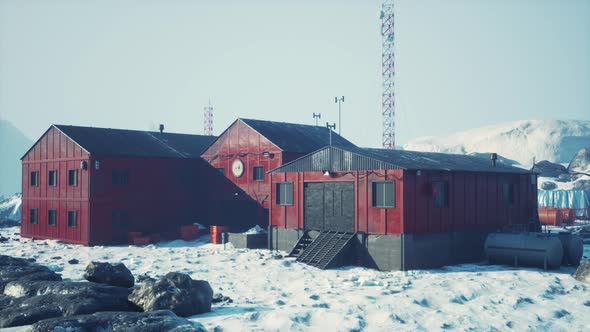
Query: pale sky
{"x": 137, "y": 63}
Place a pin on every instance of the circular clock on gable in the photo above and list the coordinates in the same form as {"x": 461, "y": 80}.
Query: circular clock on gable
{"x": 237, "y": 168}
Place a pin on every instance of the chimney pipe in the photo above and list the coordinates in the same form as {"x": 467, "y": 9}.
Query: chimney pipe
{"x": 494, "y": 157}
{"x": 161, "y": 128}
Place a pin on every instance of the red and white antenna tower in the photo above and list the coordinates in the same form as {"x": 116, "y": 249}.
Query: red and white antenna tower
{"x": 208, "y": 120}
{"x": 387, "y": 66}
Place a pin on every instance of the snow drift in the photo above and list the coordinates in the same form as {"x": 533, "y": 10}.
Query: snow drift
{"x": 554, "y": 140}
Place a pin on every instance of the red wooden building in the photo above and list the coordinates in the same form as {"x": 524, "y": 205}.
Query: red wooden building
{"x": 408, "y": 209}
{"x": 92, "y": 185}
{"x": 245, "y": 152}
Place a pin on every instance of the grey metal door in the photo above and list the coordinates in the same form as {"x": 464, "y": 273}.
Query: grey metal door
{"x": 329, "y": 206}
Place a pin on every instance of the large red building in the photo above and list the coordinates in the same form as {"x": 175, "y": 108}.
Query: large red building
{"x": 407, "y": 209}
{"x": 245, "y": 152}
{"x": 92, "y": 185}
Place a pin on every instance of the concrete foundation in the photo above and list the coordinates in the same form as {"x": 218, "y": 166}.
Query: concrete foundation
{"x": 248, "y": 241}
{"x": 404, "y": 251}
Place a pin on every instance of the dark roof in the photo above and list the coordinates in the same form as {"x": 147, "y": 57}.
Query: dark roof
{"x": 291, "y": 137}
{"x": 347, "y": 159}
{"x": 135, "y": 143}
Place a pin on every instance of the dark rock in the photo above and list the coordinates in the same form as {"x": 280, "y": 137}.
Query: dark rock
{"x": 14, "y": 261}
{"x": 548, "y": 185}
{"x": 176, "y": 292}
{"x": 582, "y": 185}
{"x": 3, "y": 239}
{"x": 156, "y": 321}
{"x": 580, "y": 163}
{"x": 564, "y": 177}
{"x": 583, "y": 272}
{"x": 106, "y": 273}
{"x": 56, "y": 257}
{"x": 73, "y": 261}
{"x": 548, "y": 169}
{"x": 33, "y": 301}
{"x": 25, "y": 273}
{"x": 5, "y": 301}
{"x": 145, "y": 277}
{"x": 218, "y": 297}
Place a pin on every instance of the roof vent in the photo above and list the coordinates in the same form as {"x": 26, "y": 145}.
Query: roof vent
{"x": 494, "y": 157}
{"x": 161, "y": 128}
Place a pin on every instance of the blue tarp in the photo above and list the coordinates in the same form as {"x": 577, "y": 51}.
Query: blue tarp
{"x": 573, "y": 199}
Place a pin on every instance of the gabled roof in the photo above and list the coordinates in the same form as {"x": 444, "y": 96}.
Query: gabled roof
{"x": 332, "y": 158}
{"x": 291, "y": 137}
{"x": 135, "y": 143}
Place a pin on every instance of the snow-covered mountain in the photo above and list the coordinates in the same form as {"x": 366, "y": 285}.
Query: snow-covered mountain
{"x": 13, "y": 144}
{"x": 10, "y": 210}
{"x": 554, "y": 140}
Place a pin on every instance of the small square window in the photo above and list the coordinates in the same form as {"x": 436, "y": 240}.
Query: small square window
{"x": 51, "y": 217}
{"x": 258, "y": 173}
{"x": 384, "y": 194}
{"x": 34, "y": 178}
{"x": 33, "y": 218}
{"x": 120, "y": 176}
{"x": 441, "y": 194}
{"x": 72, "y": 219}
{"x": 52, "y": 178}
{"x": 72, "y": 177}
{"x": 284, "y": 193}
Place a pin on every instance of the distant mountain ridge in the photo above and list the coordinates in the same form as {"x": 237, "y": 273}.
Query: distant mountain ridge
{"x": 554, "y": 140}
{"x": 13, "y": 144}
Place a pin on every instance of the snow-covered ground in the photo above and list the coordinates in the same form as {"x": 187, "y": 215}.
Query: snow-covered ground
{"x": 553, "y": 140}
{"x": 10, "y": 208}
{"x": 279, "y": 294}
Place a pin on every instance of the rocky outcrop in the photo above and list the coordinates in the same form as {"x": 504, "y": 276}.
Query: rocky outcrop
{"x": 581, "y": 185}
{"x": 110, "y": 274}
{"x": 177, "y": 292}
{"x": 120, "y": 321}
{"x": 580, "y": 163}
{"x": 583, "y": 272}
{"x": 548, "y": 185}
{"x": 548, "y": 169}
{"x": 18, "y": 269}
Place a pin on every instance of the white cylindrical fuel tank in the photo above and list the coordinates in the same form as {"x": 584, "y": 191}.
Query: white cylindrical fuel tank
{"x": 573, "y": 248}
{"x": 528, "y": 249}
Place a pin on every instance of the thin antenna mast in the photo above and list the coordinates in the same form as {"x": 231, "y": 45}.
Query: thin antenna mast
{"x": 208, "y": 120}
{"x": 388, "y": 72}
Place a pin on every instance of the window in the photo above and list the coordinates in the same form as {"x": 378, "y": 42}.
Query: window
{"x": 51, "y": 217}
{"x": 120, "y": 220}
{"x": 72, "y": 177}
{"x": 508, "y": 193}
{"x": 52, "y": 178}
{"x": 285, "y": 193}
{"x": 221, "y": 170}
{"x": 258, "y": 173}
{"x": 35, "y": 179}
{"x": 72, "y": 219}
{"x": 120, "y": 176}
{"x": 440, "y": 192}
{"x": 384, "y": 194}
{"x": 33, "y": 217}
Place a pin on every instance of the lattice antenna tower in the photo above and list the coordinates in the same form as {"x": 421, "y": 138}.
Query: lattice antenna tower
{"x": 208, "y": 120}
{"x": 387, "y": 66}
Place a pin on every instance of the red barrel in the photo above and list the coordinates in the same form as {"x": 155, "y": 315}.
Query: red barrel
{"x": 132, "y": 235}
{"x": 550, "y": 216}
{"x": 216, "y": 231}
{"x": 568, "y": 216}
{"x": 141, "y": 241}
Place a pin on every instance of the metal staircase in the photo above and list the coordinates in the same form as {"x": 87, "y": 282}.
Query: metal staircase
{"x": 325, "y": 249}
{"x": 301, "y": 245}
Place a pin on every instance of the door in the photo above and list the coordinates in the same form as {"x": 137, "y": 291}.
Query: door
{"x": 329, "y": 206}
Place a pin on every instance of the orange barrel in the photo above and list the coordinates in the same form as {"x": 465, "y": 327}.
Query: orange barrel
{"x": 568, "y": 215}
{"x": 189, "y": 232}
{"x": 549, "y": 216}
{"x": 216, "y": 231}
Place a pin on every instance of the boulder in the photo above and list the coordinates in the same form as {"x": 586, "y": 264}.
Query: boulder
{"x": 177, "y": 292}
{"x": 156, "y": 321}
{"x": 14, "y": 261}
{"x": 73, "y": 261}
{"x": 547, "y": 185}
{"x": 580, "y": 163}
{"x": 548, "y": 169}
{"x": 60, "y": 299}
{"x": 106, "y": 273}
{"x": 25, "y": 273}
{"x": 583, "y": 272}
